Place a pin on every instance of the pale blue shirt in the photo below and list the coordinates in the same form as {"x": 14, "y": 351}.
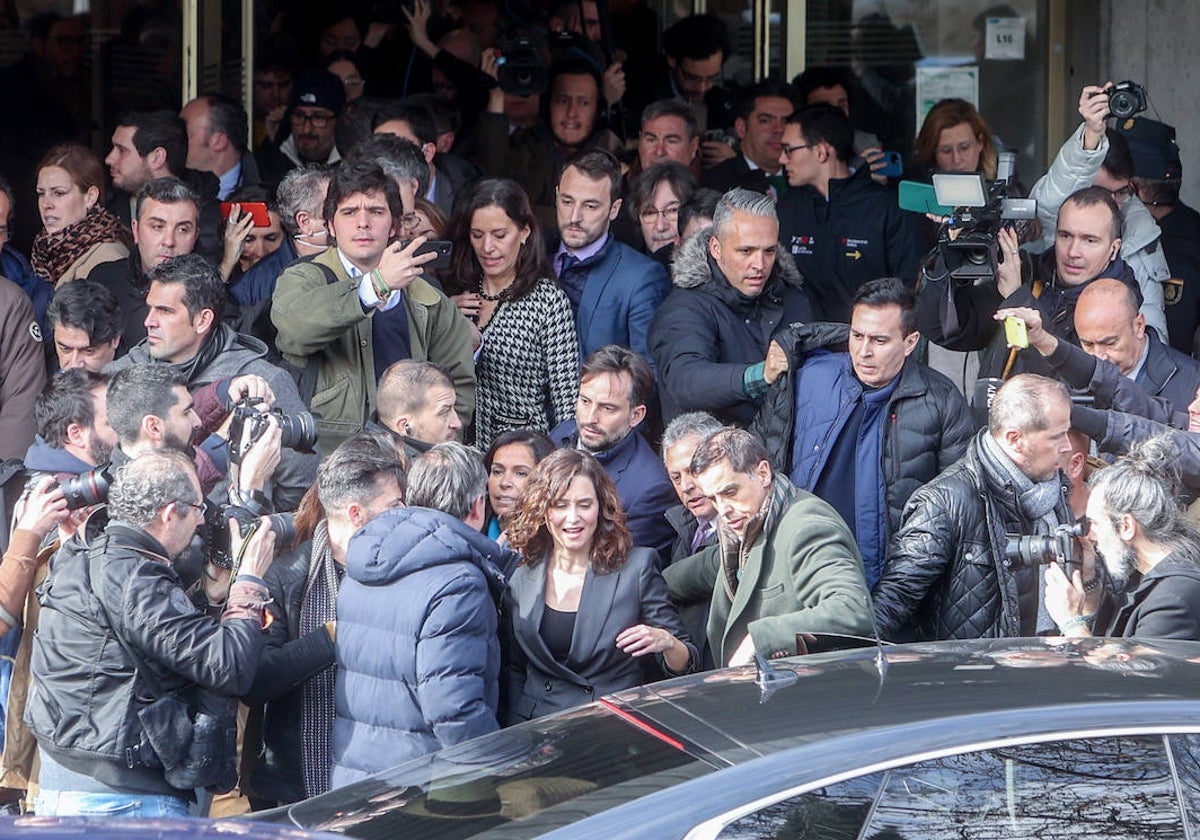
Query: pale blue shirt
{"x": 366, "y": 289}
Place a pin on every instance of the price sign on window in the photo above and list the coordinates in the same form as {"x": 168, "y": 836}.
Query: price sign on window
{"x": 1005, "y": 39}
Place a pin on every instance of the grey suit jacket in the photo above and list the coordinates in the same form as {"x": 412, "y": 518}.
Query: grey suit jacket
{"x": 634, "y": 594}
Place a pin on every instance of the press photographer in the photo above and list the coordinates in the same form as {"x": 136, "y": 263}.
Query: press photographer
{"x": 958, "y": 313}
{"x": 1148, "y": 546}
{"x": 122, "y": 655}
{"x": 185, "y": 332}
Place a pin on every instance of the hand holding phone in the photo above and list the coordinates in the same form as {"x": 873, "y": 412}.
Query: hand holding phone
{"x": 257, "y": 209}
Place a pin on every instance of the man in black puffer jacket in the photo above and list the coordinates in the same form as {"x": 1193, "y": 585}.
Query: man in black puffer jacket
{"x": 947, "y": 573}
{"x": 733, "y": 290}
{"x": 863, "y": 429}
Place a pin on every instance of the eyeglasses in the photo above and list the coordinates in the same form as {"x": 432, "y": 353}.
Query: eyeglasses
{"x": 410, "y": 221}
{"x": 353, "y": 82}
{"x": 651, "y": 214}
{"x": 787, "y": 150}
{"x": 199, "y": 507}
{"x": 299, "y": 118}
{"x": 692, "y": 78}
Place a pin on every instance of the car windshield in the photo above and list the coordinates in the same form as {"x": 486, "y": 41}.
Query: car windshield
{"x": 519, "y": 782}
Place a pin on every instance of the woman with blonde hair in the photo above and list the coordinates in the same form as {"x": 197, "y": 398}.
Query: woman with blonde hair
{"x": 954, "y": 138}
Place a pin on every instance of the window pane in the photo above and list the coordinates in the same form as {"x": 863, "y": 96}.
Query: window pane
{"x": 833, "y": 813}
{"x": 1112, "y": 787}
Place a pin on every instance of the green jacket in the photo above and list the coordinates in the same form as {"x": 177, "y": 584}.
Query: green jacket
{"x": 802, "y": 574}
{"x": 314, "y": 316}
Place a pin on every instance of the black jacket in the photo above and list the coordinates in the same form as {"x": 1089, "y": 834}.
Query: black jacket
{"x": 1165, "y": 604}
{"x": 707, "y": 333}
{"x": 946, "y": 571}
{"x": 734, "y": 172}
{"x": 288, "y": 661}
{"x": 85, "y": 693}
{"x": 858, "y": 234}
{"x": 1169, "y": 374}
{"x": 927, "y": 427}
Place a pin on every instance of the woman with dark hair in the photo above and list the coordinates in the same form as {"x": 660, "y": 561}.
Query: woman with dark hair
{"x": 510, "y": 462}
{"x": 528, "y": 366}
{"x": 654, "y": 202}
{"x": 585, "y": 607}
{"x": 77, "y": 233}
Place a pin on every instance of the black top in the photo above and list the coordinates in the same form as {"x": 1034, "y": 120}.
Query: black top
{"x": 556, "y": 631}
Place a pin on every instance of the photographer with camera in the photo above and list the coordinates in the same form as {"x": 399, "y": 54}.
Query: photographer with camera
{"x": 185, "y": 332}
{"x": 961, "y": 317}
{"x": 1098, "y": 156}
{"x": 948, "y": 573}
{"x": 1150, "y": 550}
{"x": 571, "y": 123}
{"x": 121, "y": 650}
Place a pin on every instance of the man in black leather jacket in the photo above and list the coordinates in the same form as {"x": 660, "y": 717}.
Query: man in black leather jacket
{"x": 947, "y": 574}
{"x": 98, "y": 613}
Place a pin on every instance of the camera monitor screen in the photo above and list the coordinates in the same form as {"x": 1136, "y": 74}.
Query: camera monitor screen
{"x": 960, "y": 190}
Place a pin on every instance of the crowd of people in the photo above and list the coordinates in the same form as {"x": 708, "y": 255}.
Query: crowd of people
{"x": 421, "y": 402}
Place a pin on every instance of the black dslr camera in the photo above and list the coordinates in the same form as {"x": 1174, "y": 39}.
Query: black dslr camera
{"x": 1126, "y": 99}
{"x": 218, "y": 539}
{"x": 522, "y": 71}
{"x": 1025, "y": 551}
{"x": 89, "y": 488}
{"x": 980, "y": 211}
{"x": 299, "y": 429}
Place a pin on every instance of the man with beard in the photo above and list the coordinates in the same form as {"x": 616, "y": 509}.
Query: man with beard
{"x": 1149, "y": 547}
{"x": 184, "y": 330}
{"x": 317, "y": 100}
{"x": 615, "y": 384}
{"x": 115, "y": 621}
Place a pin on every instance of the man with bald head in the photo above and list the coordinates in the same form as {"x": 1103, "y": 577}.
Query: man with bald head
{"x": 1111, "y": 328}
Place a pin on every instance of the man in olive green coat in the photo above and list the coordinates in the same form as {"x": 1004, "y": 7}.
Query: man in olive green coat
{"x": 363, "y": 304}
{"x": 785, "y": 564}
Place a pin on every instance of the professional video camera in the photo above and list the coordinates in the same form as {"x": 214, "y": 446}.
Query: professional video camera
{"x": 299, "y": 429}
{"x": 88, "y": 488}
{"x": 1025, "y": 551}
{"x": 217, "y": 537}
{"x": 980, "y": 210}
{"x": 521, "y": 69}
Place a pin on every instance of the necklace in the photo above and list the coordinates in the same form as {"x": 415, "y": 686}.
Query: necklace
{"x": 501, "y": 295}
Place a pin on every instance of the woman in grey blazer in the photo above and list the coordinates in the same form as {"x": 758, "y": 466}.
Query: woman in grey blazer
{"x": 588, "y": 614}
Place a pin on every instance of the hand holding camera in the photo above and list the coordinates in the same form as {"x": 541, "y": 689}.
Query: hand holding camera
{"x": 251, "y": 387}
{"x": 45, "y": 507}
{"x": 253, "y": 546}
{"x": 259, "y": 461}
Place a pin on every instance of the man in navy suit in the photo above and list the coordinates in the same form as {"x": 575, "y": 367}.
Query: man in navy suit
{"x": 614, "y": 385}
{"x": 613, "y": 289}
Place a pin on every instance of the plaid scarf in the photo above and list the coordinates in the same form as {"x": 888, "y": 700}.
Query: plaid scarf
{"x": 317, "y": 711}
{"x": 54, "y": 253}
{"x": 735, "y": 551}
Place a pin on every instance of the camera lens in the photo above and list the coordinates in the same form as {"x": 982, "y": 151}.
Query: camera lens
{"x": 284, "y": 527}
{"x": 298, "y": 431}
{"x": 1123, "y": 104}
{"x": 86, "y": 489}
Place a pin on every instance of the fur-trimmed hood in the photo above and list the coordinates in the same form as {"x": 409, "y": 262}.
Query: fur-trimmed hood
{"x": 692, "y": 268}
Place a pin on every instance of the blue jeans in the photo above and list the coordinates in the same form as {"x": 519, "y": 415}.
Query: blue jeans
{"x": 67, "y": 803}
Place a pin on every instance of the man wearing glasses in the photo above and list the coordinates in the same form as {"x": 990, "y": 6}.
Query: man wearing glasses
{"x": 841, "y": 227}
{"x": 1096, "y": 155}
{"x": 317, "y": 99}
{"x": 112, "y": 616}
{"x": 346, "y": 315}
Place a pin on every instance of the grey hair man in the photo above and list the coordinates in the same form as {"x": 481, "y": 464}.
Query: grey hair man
{"x": 1145, "y": 541}
{"x": 301, "y": 199}
{"x": 117, "y": 607}
{"x": 669, "y": 132}
{"x": 694, "y": 518}
{"x": 363, "y": 478}
{"x": 947, "y": 572}
{"x": 450, "y": 477}
{"x": 733, "y": 289}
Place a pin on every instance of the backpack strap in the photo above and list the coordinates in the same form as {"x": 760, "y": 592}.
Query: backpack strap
{"x": 307, "y": 383}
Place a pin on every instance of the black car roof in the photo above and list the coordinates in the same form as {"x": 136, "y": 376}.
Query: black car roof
{"x": 725, "y": 712}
